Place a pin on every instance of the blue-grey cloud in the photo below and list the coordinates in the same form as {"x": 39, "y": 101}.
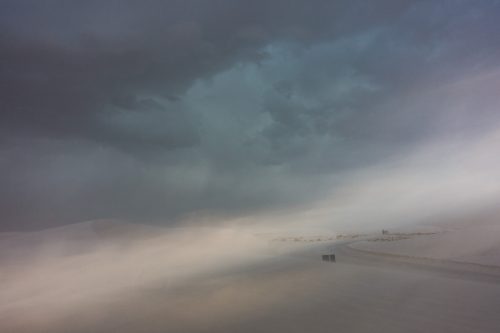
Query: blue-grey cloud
{"x": 158, "y": 109}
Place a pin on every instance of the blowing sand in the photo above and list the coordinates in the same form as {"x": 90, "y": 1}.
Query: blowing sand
{"x": 112, "y": 277}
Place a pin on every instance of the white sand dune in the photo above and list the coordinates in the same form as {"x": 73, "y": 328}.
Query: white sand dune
{"x": 126, "y": 278}
{"x": 50, "y": 273}
{"x": 474, "y": 243}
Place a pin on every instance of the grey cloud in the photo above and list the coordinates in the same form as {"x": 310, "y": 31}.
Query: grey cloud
{"x": 148, "y": 125}
{"x": 64, "y": 62}
{"x": 158, "y": 109}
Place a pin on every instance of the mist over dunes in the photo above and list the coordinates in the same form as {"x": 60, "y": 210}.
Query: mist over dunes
{"x": 108, "y": 275}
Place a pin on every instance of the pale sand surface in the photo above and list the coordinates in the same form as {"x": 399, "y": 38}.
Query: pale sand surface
{"x": 473, "y": 243}
{"x": 149, "y": 280}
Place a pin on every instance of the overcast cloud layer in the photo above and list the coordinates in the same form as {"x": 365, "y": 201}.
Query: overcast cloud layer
{"x": 157, "y": 110}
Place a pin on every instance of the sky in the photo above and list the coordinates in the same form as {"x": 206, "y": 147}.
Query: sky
{"x": 165, "y": 111}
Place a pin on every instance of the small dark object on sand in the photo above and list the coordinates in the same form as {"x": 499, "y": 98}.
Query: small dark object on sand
{"x": 328, "y": 257}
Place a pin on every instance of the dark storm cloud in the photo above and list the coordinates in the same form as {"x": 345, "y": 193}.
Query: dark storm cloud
{"x": 155, "y": 109}
{"x": 63, "y": 62}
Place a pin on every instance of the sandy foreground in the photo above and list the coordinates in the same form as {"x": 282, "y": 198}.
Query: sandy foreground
{"x": 112, "y": 277}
